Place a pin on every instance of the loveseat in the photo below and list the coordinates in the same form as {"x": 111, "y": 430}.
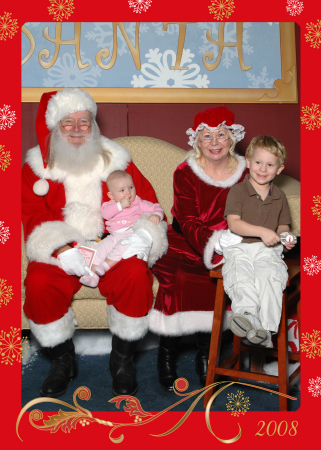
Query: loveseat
{"x": 157, "y": 160}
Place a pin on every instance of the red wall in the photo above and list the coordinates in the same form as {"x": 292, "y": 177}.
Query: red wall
{"x": 170, "y": 122}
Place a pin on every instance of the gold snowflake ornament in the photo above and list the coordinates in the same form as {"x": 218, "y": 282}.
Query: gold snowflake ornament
{"x": 4, "y": 158}
{"x": 314, "y": 34}
{"x": 311, "y": 344}
{"x": 311, "y": 117}
{"x": 12, "y": 347}
{"x": 222, "y": 9}
{"x": 61, "y": 9}
{"x": 238, "y": 404}
{"x": 5, "y": 293}
{"x": 8, "y": 26}
{"x": 316, "y": 209}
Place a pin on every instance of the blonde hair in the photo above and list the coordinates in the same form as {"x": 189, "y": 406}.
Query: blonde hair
{"x": 116, "y": 175}
{"x": 196, "y": 153}
{"x": 269, "y": 143}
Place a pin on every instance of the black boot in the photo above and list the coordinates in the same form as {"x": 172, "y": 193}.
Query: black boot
{"x": 201, "y": 360}
{"x": 166, "y": 362}
{"x": 63, "y": 369}
{"x": 122, "y": 366}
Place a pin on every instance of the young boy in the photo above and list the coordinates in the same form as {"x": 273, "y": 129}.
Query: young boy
{"x": 123, "y": 209}
{"x": 254, "y": 273}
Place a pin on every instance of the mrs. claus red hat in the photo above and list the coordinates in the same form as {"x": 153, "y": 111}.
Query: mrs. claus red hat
{"x": 212, "y": 119}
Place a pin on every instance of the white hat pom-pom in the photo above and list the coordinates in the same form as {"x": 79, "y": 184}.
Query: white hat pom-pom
{"x": 41, "y": 187}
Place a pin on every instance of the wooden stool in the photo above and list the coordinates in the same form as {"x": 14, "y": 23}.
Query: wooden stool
{"x": 231, "y": 366}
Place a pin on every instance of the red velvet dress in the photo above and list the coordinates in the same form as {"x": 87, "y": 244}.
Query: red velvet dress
{"x": 185, "y": 299}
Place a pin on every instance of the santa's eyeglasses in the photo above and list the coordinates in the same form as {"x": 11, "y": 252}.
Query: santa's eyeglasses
{"x": 70, "y": 124}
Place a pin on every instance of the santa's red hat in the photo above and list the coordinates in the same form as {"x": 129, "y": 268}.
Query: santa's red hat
{"x": 53, "y": 107}
{"x": 212, "y": 119}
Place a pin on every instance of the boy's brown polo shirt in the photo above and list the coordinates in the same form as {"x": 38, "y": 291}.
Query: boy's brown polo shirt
{"x": 244, "y": 201}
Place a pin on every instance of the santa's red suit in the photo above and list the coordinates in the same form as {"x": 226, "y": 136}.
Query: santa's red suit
{"x": 70, "y": 213}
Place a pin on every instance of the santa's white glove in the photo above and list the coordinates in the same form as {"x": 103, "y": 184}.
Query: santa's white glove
{"x": 140, "y": 243}
{"x": 228, "y": 238}
{"x": 73, "y": 263}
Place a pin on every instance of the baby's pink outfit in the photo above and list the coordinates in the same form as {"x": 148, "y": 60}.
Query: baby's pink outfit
{"x": 119, "y": 224}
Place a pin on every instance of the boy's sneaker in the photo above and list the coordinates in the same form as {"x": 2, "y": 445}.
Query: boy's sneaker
{"x": 268, "y": 340}
{"x": 267, "y": 343}
{"x": 247, "y": 326}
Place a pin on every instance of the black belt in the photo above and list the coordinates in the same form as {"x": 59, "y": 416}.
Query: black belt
{"x": 176, "y": 227}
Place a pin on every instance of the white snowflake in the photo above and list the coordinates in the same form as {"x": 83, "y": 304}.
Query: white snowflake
{"x": 229, "y": 53}
{"x": 312, "y": 265}
{"x": 315, "y": 386}
{"x": 66, "y": 73}
{"x": 31, "y": 24}
{"x": 172, "y": 28}
{"x": 103, "y": 35}
{"x": 4, "y": 233}
{"x": 294, "y": 7}
{"x": 139, "y": 5}
{"x": 261, "y": 80}
{"x": 158, "y": 72}
{"x": 7, "y": 117}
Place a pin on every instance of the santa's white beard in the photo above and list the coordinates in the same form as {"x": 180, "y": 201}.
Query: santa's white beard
{"x": 75, "y": 158}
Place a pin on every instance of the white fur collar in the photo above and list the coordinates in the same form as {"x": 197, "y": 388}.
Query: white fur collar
{"x": 199, "y": 172}
{"x": 119, "y": 160}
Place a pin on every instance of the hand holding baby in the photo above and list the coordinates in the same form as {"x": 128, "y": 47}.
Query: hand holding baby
{"x": 154, "y": 218}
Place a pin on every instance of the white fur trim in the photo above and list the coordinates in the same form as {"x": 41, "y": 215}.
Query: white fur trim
{"x": 237, "y": 131}
{"x": 126, "y": 327}
{"x": 210, "y": 248}
{"x": 158, "y": 234}
{"x": 68, "y": 101}
{"x": 183, "y": 323}
{"x": 48, "y": 237}
{"x": 202, "y": 175}
{"x": 41, "y": 187}
{"x": 55, "y": 333}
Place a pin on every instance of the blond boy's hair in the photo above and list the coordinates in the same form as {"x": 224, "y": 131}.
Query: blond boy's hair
{"x": 116, "y": 175}
{"x": 269, "y": 143}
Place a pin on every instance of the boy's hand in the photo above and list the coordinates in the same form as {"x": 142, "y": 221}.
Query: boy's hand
{"x": 289, "y": 246}
{"x": 269, "y": 237}
{"x": 125, "y": 203}
{"x": 154, "y": 218}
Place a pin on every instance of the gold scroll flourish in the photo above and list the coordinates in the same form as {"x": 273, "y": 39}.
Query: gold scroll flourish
{"x": 32, "y": 44}
{"x": 66, "y": 421}
{"x": 285, "y": 90}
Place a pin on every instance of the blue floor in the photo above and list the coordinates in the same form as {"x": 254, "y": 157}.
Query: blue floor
{"x": 95, "y": 375}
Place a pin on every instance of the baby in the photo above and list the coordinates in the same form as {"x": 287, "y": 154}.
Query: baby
{"x": 123, "y": 209}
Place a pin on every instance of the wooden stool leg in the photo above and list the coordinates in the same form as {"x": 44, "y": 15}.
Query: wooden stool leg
{"x": 283, "y": 358}
{"x": 216, "y": 337}
{"x": 236, "y": 351}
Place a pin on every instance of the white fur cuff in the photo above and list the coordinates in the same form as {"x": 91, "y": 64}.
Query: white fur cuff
{"x": 210, "y": 249}
{"x": 158, "y": 234}
{"x": 126, "y": 327}
{"x": 55, "y": 333}
{"x": 48, "y": 237}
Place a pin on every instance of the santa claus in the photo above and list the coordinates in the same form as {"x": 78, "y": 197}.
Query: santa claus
{"x": 63, "y": 188}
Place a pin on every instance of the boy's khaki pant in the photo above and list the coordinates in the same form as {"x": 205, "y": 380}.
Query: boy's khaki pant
{"x": 254, "y": 278}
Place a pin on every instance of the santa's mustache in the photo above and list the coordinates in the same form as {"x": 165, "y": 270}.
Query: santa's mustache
{"x": 73, "y": 134}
